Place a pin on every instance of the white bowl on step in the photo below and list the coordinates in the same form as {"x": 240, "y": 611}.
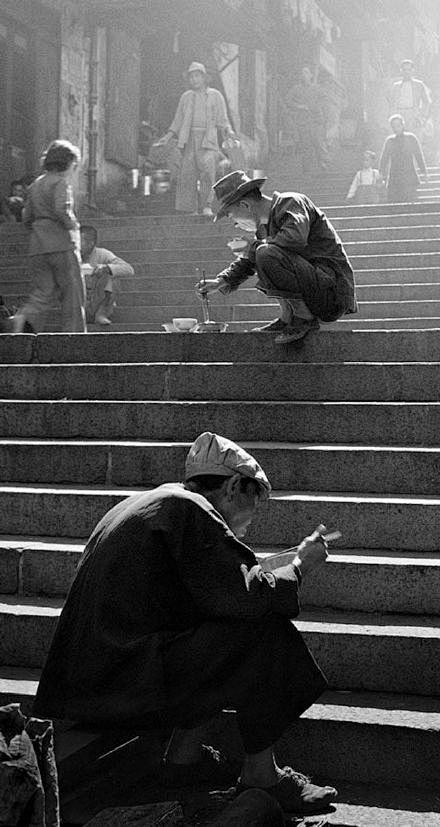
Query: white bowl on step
{"x": 184, "y": 325}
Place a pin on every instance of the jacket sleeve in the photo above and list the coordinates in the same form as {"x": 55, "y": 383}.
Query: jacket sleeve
{"x": 385, "y": 158}
{"x": 28, "y": 213}
{"x": 354, "y": 186}
{"x": 223, "y": 575}
{"x": 418, "y": 154}
{"x": 117, "y": 266}
{"x": 238, "y": 271}
{"x": 63, "y": 205}
{"x": 177, "y": 123}
{"x": 293, "y": 226}
{"x": 222, "y": 115}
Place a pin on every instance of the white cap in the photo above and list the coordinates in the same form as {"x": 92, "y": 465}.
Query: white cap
{"x": 195, "y": 66}
{"x": 214, "y": 454}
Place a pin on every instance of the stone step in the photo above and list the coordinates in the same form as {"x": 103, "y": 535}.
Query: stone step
{"x": 367, "y": 310}
{"x": 144, "y": 293}
{"x": 392, "y": 653}
{"x": 389, "y": 233}
{"x": 374, "y": 325}
{"x": 396, "y": 275}
{"x": 196, "y": 256}
{"x": 365, "y": 520}
{"x": 18, "y": 685}
{"x": 356, "y": 210}
{"x": 357, "y": 651}
{"x": 152, "y": 317}
{"x": 332, "y": 381}
{"x": 168, "y": 286}
{"x": 385, "y": 423}
{"x": 177, "y": 269}
{"x": 391, "y": 246}
{"x": 382, "y": 738}
{"x": 345, "y": 346}
{"x": 347, "y": 223}
{"x": 383, "y": 806}
{"x": 376, "y": 469}
{"x": 398, "y": 582}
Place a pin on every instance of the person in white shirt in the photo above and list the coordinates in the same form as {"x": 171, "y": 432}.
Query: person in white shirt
{"x": 367, "y": 183}
{"x": 411, "y": 98}
{"x": 101, "y": 270}
{"x": 200, "y": 113}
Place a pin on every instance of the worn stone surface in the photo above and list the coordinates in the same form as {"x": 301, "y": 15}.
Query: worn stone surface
{"x": 165, "y": 814}
{"x": 273, "y": 382}
{"x": 9, "y": 569}
{"x": 386, "y": 423}
{"x": 366, "y": 521}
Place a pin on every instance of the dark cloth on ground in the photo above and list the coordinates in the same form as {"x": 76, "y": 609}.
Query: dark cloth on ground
{"x": 253, "y": 807}
{"x": 28, "y": 773}
{"x": 170, "y": 618}
{"x": 302, "y": 255}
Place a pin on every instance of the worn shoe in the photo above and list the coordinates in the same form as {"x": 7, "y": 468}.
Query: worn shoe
{"x": 277, "y": 324}
{"x": 297, "y": 330}
{"x": 101, "y": 319}
{"x": 297, "y": 795}
{"x": 212, "y": 768}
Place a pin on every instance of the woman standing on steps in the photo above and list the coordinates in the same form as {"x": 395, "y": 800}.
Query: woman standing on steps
{"x": 54, "y": 247}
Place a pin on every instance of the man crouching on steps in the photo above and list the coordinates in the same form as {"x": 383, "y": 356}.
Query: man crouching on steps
{"x": 171, "y": 619}
{"x": 297, "y": 255}
{"x": 101, "y": 270}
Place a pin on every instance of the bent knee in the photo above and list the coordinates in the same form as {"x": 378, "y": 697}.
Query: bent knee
{"x": 266, "y": 254}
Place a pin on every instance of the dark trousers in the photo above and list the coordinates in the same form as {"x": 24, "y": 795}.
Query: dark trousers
{"x": 263, "y": 669}
{"x": 289, "y": 276}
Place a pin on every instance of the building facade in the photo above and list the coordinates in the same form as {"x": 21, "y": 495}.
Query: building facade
{"x": 93, "y": 70}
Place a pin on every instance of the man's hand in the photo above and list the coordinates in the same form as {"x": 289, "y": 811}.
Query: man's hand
{"x": 101, "y": 269}
{"x": 164, "y": 139}
{"x": 312, "y": 552}
{"x": 209, "y": 285}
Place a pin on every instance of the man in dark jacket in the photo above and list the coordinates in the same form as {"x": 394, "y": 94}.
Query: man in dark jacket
{"x": 400, "y": 158}
{"x": 170, "y": 619}
{"x": 297, "y": 255}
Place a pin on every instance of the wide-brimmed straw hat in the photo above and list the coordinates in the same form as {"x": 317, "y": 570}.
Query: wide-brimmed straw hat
{"x": 232, "y": 188}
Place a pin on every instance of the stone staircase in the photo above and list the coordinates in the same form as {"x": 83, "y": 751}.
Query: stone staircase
{"x": 394, "y": 249}
{"x": 347, "y": 429}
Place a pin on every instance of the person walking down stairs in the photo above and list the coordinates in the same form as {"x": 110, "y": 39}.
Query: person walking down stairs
{"x": 297, "y": 255}
{"x": 401, "y": 156}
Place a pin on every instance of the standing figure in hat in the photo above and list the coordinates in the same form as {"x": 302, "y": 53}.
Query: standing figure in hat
{"x": 201, "y": 111}
{"x": 297, "y": 255}
{"x": 410, "y": 98}
{"x": 171, "y": 619}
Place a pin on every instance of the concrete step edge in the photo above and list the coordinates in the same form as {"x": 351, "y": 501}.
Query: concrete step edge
{"x": 291, "y": 496}
{"x": 410, "y": 712}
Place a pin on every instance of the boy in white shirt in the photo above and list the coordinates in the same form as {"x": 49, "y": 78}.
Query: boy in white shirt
{"x": 367, "y": 183}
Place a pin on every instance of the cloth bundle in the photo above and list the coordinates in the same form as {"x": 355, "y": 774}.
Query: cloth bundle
{"x": 28, "y": 774}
